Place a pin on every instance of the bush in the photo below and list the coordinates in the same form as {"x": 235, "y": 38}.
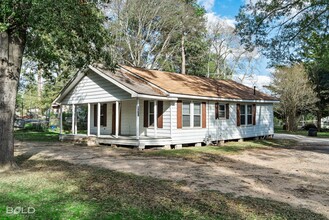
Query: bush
{"x": 36, "y": 126}
{"x": 309, "y": 126}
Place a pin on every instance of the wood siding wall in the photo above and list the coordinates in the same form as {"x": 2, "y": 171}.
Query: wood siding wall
{"x": 94, "y": 88}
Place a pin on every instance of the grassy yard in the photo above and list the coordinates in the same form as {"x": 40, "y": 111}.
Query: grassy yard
{"x": 300, "y": 132}
{"x": 209, "y": 153}
{"x": 48, "y": 136}
{"x": 58, "y": 190}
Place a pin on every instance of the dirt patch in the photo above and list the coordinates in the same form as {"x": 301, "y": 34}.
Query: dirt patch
{"x": 296, "y": 176}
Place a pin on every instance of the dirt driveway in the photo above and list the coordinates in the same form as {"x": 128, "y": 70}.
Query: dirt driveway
{"x": 298, "y": 176}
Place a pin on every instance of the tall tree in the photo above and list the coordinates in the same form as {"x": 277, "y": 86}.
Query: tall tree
{"x": 280, "y": 27}
{"x": 142, "y": 30}
{"x": 191, "y": 38}
{"x": 296, "y": 94}
{"x": 166, "y": 35}
{"x": 48, "y": 31}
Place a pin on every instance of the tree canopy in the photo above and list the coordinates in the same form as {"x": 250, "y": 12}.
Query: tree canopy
{"x": 296, "y": 94}
{"x": 281, "y": 28}
{"x": 55, "y": 33}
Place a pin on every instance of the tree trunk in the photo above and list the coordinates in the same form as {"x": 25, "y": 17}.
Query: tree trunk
{"x": 39, "y": 83}
{"x": 11, "y": 54}
{"x": 183, "y": 71}
{"x": 318, "y": 117}
{"x": 291, "y": 122}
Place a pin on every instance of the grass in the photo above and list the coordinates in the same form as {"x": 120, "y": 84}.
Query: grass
{"x": 59, "y": 190}
{"x": 323, "y": 134}
{"x": 212, "y": 153}
{"x": 48, "y": 136}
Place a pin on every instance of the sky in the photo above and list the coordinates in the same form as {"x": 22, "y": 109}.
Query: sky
{"x": 227, "y": 10}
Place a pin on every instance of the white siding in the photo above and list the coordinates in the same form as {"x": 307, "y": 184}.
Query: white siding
{"x": 94, "y": 88}
{"x": 187, "y": 135}
{"x": 220, "y": 129}
{"x": 128, "y": 117}
{"x": 225, "y": 129}
{"x": 161, "y": 132}
{"x": 104, "y": 130}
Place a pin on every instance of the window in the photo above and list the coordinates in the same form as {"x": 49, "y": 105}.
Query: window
{"x": 246, "y": 115}
{"x": 243, "y": 114}
{"x": 186, "y": 114}
{"x": 249, "y": 114}
{"x": 151, "y": 113}
{"x": 103, "y": 115}
{"x": 221, "y": 111}
{"x": 197, "y": 115}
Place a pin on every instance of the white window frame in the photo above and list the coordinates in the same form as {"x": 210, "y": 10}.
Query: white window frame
{"x": 246, "y": 114}
{"x": 200, "y": 115}
{"x": 151, "y": 115}
{"x": 219, "y": 110}
{"x": 189, "y": 104}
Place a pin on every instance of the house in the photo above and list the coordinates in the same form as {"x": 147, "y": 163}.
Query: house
{"x": 140, "y": 107}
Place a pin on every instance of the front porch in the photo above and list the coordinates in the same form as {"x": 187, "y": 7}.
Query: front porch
{"x": 140, "y": 142}
{"x": 116, "y": 123}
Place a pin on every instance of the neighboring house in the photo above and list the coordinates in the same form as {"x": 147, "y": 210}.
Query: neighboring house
{"x": 140, "y": 107}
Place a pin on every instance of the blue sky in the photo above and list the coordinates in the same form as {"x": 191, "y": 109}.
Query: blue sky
{"x": 227, "y": 10}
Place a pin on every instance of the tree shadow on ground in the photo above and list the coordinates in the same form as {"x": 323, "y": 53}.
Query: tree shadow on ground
{"x": 60, "y": 190}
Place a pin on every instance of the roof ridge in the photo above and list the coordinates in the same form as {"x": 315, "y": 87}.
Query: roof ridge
{"x": 145, "y": 80}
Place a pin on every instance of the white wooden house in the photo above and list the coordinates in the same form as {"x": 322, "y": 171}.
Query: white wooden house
{"x": 140, "y": 107}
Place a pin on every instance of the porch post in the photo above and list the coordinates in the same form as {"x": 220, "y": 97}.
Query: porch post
{"x": 75, "y": 122}
{"x": 171, "y": 118}
{"x": 60, "y": 119}
{"x": 98, "y": 119}
{"x": 155, "y": 118}
{"x": 137, "y": 118}
{"x": 73, "y": 119}
{"x": 117, "y": 119}
{"x": 88, "y": 120}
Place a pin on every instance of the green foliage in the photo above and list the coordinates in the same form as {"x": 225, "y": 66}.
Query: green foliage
{"x": 296, "y": 94}
{"x": 38, "y": 127}
{"x": 280, "y": 28}
{"x": 320, "y": 134}
{"x": 36, "y": 136}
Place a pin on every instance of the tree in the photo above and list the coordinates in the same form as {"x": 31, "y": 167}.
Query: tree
{"x": 296, "y": 94}
{"x": 316, "y": 54}
{"x": 280, "y": 27}
{"x": 50, "y": 32}
{"x": 166, "y": 35}
{"x": 142, "y": 30}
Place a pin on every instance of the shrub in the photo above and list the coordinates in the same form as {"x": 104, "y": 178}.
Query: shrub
{"x": 308, "y": 126}
{"x": 36, "y": 126}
